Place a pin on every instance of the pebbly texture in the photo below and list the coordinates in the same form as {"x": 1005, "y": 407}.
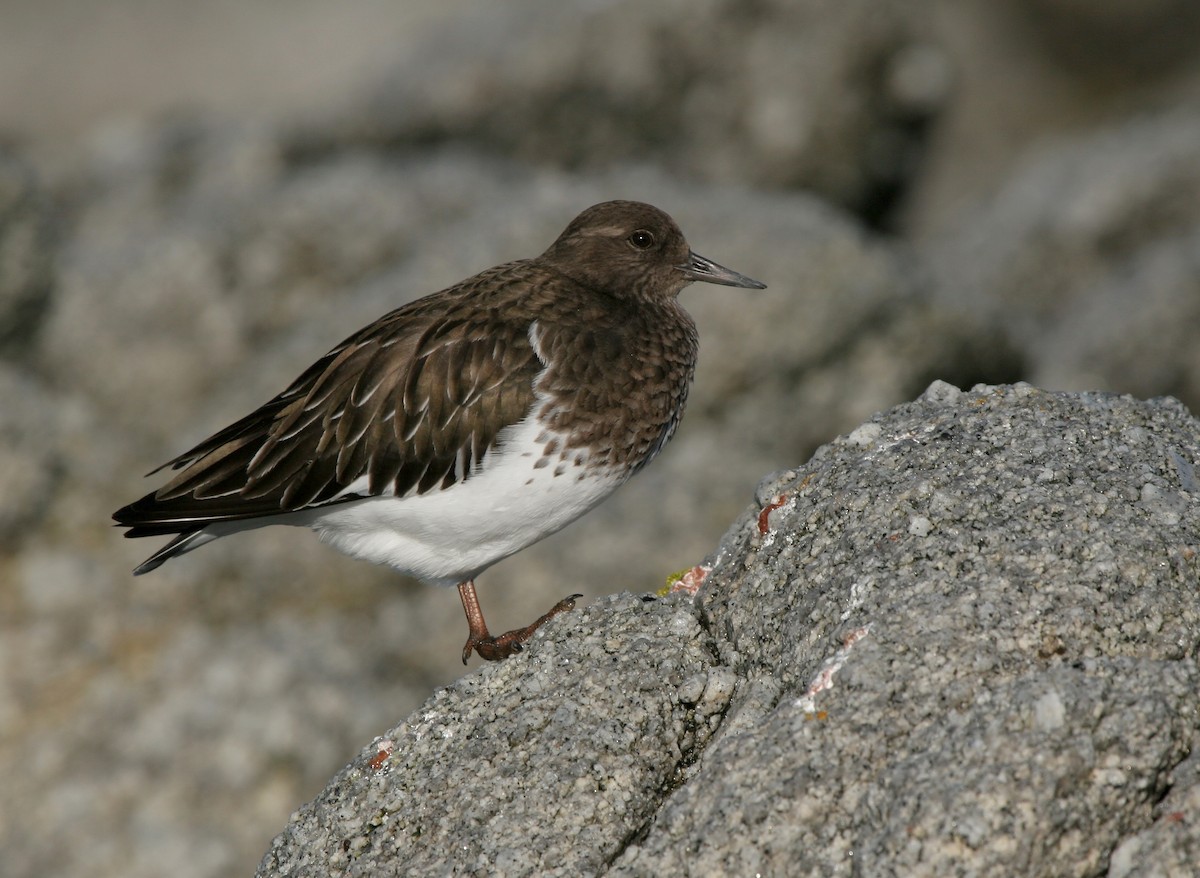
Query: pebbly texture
{"x": 509, "y": 765}
{"x": 962, "y": 639}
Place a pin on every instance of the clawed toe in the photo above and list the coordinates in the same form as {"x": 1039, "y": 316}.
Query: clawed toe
{"x": 494, "y": 649}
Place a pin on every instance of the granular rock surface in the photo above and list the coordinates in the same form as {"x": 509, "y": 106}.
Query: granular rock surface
{"x": 961, "y": 639}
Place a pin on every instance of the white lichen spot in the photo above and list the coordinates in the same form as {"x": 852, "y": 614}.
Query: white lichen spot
{"x": 920, "y": 526}
{"x": 1049, "y": 712}
{"x": 824, "y": 678}
{"x": 865, "y": 436}
{"x": 858, "y": 594}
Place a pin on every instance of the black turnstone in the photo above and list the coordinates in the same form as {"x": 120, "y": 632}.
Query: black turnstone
{"x": 464, "y": 426}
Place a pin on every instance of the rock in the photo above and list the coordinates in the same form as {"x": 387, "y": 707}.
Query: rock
{"x": 1136, "y": 39}
{"x": 525, "y": 726}
{"x": 26, "y": 245}
{"x": 1087, "y": 260}
{"x": 31, "y": 463}
{"x": 832, "y": 97}
{"x": 1011, "y": 688}
{"x": 1030, "y": 73}
{"x": 179, "y": 721}
{"x": 1161, "y": 849}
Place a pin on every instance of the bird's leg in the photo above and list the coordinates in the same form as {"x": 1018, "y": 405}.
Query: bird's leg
{"x": 493, "y": 649}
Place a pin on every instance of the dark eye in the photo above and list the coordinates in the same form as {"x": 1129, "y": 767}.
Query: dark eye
{"x": 642, "y": 239}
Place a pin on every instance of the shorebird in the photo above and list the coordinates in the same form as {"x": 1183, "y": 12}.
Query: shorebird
{"x": 464, "y": 426}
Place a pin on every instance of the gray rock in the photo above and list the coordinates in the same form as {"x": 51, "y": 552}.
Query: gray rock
{"x": 1137, "y": 39}
{"x": 962, "y": 639}
{"x": 31, "y": 462}
{"x": 833, "y": 97}
{"x": 184, "y": 733}
{"x": 1136, "y": 329}
{"x": 26, "y": 245}
{"x": 1031, "y": 73}
{"x": 1161, "y": 849}
{"x": 467, "y": 778}
{"x": 1087, "y": 260}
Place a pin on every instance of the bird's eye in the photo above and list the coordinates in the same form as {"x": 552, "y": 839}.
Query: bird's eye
{"x": 642, "y": 239}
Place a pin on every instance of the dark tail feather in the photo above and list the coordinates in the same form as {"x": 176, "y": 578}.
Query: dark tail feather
{"x": 185, "y": 542}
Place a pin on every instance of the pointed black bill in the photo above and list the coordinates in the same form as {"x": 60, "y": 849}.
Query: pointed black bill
{"x": 699, "y": 268}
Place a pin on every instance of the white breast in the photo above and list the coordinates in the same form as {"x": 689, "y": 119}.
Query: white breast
{"x": 451, "y": 535}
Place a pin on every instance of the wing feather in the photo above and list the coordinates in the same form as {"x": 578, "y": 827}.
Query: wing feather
{"x": 412, "y": 403}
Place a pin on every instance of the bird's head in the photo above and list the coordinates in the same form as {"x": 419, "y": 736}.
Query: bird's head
{"x": 627, "y": 248}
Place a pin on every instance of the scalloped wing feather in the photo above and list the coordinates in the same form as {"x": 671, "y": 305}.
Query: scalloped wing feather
{"x": 408, "y": 405}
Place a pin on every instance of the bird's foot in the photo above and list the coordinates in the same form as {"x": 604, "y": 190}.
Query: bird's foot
{"x": 493, "y": 649}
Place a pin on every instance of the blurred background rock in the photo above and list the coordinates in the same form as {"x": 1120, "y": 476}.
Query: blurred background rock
{"x": 196, "y": 200}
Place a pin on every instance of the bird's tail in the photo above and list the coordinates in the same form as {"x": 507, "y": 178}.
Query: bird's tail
{"x": 185, "y": 542}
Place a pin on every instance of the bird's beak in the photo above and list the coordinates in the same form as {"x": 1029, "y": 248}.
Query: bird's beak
{"x": 699, "y": 268}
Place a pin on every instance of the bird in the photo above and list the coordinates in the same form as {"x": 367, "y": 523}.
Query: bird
{"x": 462, "y": 427}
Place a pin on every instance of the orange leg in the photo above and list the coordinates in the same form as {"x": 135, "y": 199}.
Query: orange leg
{"x": 493, "y": 649}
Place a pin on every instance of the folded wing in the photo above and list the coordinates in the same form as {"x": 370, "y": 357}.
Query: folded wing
{"x": 410, "y": 405}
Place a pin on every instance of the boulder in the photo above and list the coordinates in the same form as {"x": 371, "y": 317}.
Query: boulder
{"x": 961, "y": 639}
